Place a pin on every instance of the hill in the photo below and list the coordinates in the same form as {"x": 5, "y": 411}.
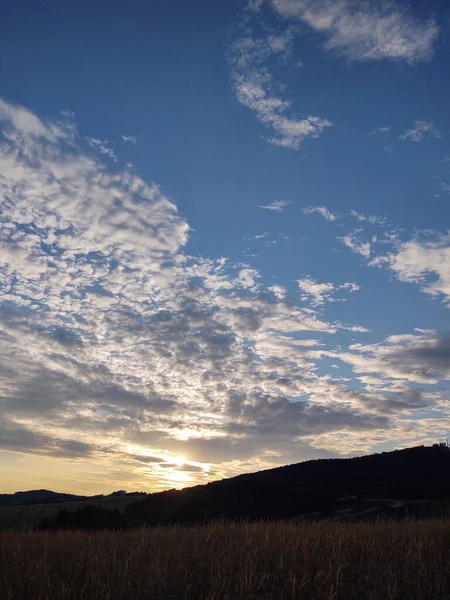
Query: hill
{"x": 399, "y": 482}
{"x": 37, "y": 497}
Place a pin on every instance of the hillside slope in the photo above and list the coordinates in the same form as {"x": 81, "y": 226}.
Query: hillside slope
{"x": 414, "y": 474}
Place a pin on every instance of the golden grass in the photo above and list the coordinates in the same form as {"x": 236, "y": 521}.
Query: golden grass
{"x": 280, "y": 561}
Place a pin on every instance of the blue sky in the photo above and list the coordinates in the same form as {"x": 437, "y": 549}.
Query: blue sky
{"x": 224, "y": 236}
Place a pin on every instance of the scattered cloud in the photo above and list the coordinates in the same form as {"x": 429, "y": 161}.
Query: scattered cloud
{"x": 318, "y": 293}
{"x": 421, "y": 130}
{"x": 277, "y": 205}
{"x": 355, "y": 244}
{"x": 380, "y": 131}
{"x": 321, "y": 210}
{"x": 102, "y": 146}
{"x": 424, "y": 260}
{"x": 364, "y": 31}
{"x": 255, "y": 88}
{"x": 129, "y": 139}
{"x": 278, "y": 291}
{"x": 372, "y": 219}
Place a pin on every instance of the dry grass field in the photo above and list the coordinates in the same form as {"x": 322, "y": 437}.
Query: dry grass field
{"x": 310, "y": 561}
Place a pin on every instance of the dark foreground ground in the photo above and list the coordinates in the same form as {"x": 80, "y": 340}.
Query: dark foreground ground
{"x": 313, "y": 561}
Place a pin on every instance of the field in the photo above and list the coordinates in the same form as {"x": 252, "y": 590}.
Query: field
{"x": 311, "y": 561}
{"x": 28, "y": 516}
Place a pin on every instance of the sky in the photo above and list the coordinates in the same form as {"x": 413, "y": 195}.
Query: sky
{"x": 224, "y": 237}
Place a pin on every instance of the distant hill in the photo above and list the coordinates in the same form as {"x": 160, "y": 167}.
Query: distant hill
{"x": 48, "y": 497}
{"x": 36, "y": 497}
{"x": 395, "y": 480}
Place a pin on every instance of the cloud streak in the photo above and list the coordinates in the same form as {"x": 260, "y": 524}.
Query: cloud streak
{"x": 277, "y": 205}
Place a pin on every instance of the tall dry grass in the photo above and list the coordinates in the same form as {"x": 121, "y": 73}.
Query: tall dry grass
{"x": 323, "y": 561}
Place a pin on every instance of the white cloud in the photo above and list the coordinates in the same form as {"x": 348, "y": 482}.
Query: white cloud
{"x": 365, "y": 31}
{"x": 321, "y": 210}
{"x": 421, "y": 129}
{"x": 256, "y": 89}
{"x": 102, "y": 146}
{"x": 372, "y": 219}
{"x": 278, "y": 291}
{"x": 129, "y": 139}
{"x": 26, "y": 123}
{"x": 425, "y": 261}
{"x": 277, "y": 205}
{"x": 357, "y": 246}
{"x": 319, "y": 293}
{"x": 247, "y": 278}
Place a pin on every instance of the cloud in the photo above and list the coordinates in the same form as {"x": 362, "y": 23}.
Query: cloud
{"x": 102, "y": 146}
{"x": 255, "y": 88}
{"x": 421, "y": 130}
{"x": 364, "y": 31}
{"x": 16, "y": 437}
{"x": 372, "y": 219}
{"x": 402, "y": 361}
{"x": 129, "y": 139}
{"x": 431, "y": 356}
{"x": 424, "y": 260}
{"x": 26, "y": 123}
{"x": 353, "y": 242}
{"x": 380, "y": 131}
{"x": 322, "y": 210}
{"x": 319, "y": 293}
{"x": 278, "y": 290}
{"x": 277, "y": 205}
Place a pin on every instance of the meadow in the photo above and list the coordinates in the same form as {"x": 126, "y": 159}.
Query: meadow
{"x": 406, "y": 560}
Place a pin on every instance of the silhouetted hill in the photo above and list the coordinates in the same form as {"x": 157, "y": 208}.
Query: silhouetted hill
{"x": 48, "y": 497}
{"x": 325, "y": 486}
{"x": 410, "y": 482}
{"x": 36, "y": 497}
